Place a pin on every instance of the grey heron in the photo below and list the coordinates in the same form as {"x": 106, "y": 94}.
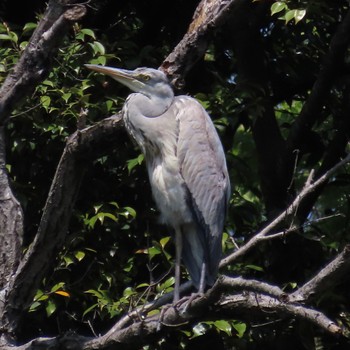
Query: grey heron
{"x": 186, "y": 168}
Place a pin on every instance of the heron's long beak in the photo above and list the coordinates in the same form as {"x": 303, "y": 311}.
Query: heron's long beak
{"x": 125, "y": 77}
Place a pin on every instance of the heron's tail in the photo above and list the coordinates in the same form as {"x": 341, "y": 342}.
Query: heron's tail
{"x": 196, "y": 251}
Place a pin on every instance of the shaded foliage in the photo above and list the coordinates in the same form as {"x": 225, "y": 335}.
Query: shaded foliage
{"x": 117, "y": 256}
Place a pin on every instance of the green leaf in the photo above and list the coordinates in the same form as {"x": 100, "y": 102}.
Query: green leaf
{"x": 50, "y": 308}
{"x": 299, "y": 15}
{"x": 88, "y": 32}
{"x": 278, "y": 7}
{"x": 254, "y": 267}
{"x": 79, "y": 255}
{"x": 95, "y": 293}
{"x": 68, "y": 260}
{"x": 164, "y": 241}
{"x": 128, "y": 292}
{"x": 66, "y": 96}
{"x": 129, "y": 211}
{"x": 289, "y": 15}
{"x": 131, "y": 163}
{"x": 29, "y": 27}
{"x": 45, "y": 101}
{"x": 109, "y": 105}
{"x": 101, "y": 60}
{"x": 57, "y": 286}
{"x": 98, "y": 48}
{"x": 223, "y": 326}
{"x": 153, "y": 251}
{"x": 97, "y": 208}
{"x": 168, "y": 283}
{"x": 34, "y": 306}
{"x": 240, "y": 328}
{"x": 101, "y": 217}
{"x": 5, "y": 37}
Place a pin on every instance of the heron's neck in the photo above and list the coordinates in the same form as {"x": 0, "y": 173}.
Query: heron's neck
{"x": 152, "y": 106}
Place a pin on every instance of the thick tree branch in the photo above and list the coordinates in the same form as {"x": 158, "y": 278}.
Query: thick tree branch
{"x": 209, "y": 15}
{"x": 11, "y": 224}
{"x": 257, "y": 300}
{"x": 32, "y": 67}
{"x": 53, "y": 227}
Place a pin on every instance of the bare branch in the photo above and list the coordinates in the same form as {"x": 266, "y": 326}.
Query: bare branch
{"x": 309, "y": 187}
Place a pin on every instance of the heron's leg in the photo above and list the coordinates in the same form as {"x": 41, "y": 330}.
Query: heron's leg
{"x": 178, "y": 249}
{"x": 202, "y": 282}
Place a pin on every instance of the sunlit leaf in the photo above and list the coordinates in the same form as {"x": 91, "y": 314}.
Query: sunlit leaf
{"x": 164, "y": 241}
{"x": 240, "y": 328}
{"x": 278, "y": 7}
{"x": 79, "y": 255}
{"x": 198, "y": 330}
{"x": 223, "y": 326}
{"x": 299, "y": 15}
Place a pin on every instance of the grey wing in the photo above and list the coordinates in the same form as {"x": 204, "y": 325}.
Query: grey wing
{"x": 203, "y": 168}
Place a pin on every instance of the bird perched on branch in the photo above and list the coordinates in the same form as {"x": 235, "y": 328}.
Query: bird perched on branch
{"x": 186, "y": 167}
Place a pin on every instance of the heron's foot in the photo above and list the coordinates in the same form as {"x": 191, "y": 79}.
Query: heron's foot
{"x": 161, "y": 316}
{"x": 183, "y": 304}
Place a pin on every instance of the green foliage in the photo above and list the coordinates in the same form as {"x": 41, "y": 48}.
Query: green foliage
{"x": 287, "y": 14}
{"x": 117, "y": 257}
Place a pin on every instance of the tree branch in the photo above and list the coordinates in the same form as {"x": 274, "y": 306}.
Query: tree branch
{"x": 11, "y": 224}
{"x": 34, "y": 63}
{"x": 308, "y": 188}
{"x": 56, "y": 215}
{"x": 209, "y": 15}
{"x": 257, "y": 300}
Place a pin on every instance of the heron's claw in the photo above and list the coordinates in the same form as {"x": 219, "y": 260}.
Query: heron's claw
{"x": 185, "y": 303}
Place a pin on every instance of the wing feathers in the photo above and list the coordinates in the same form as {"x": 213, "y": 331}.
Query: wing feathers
{"x": 203, "y": 167}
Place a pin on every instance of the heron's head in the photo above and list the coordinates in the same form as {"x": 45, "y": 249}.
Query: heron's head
{"x": 147, "y": 81}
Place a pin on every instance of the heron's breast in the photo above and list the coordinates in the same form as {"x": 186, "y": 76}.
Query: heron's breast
{"x": 169, "y": 192}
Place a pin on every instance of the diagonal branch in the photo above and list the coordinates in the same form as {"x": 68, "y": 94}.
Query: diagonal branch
{"x": 57, "y": 212}
{"x": 264, "y": 234}
{"x": 209, "y": 15}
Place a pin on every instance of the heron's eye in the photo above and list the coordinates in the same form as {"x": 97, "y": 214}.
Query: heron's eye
{"x": 145, "y": 77}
